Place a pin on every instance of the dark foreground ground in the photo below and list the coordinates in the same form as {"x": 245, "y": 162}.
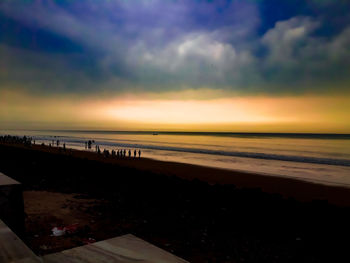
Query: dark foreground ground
{"x": 197, "y": 221}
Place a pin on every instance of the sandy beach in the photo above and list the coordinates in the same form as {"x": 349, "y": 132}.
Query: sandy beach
{"x": 201, "y": 214}
{"x": 287, "y": 187}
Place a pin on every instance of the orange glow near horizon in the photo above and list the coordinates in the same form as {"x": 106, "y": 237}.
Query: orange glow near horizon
{"x": 187, "y": 112}
{"x": 251, "y": 114}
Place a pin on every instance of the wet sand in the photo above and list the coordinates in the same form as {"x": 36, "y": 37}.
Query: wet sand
{"x": 198, "y": 213}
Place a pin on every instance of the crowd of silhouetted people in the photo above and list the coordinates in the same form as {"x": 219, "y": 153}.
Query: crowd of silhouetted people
{"x": 120, "y": 153}
{"x": 17, "y": 140}
{"x": 28, "y": 141}
{"x": 124, "y": 153}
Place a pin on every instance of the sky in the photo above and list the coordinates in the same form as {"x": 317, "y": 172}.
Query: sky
{"x": 240, "y": 65}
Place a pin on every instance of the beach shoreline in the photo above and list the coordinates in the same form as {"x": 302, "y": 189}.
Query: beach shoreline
{"x": 288, "y": 187}
{"x": 198, "y": 213}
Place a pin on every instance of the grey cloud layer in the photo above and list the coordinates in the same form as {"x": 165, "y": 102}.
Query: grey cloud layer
{"x": 161, "y": 47}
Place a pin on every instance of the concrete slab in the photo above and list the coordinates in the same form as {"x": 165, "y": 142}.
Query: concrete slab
{"x": 12, "y": 249}
{"x": 5, "y": 180}
{"x": 29, "y": 260}
{"x": 124, "y": 249}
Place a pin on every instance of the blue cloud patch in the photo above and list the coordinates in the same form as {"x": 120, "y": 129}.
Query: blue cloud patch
{"x": 16, "y": 34}
{"x": 246, "y": 46}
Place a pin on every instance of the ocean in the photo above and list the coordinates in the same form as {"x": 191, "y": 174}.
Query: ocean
{"x": 318, "y": 158}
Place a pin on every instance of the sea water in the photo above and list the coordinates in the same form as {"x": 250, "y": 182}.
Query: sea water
{"x": 319, "y": 158}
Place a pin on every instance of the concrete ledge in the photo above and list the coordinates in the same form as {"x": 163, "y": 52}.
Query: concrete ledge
{"x": 122, "y": 249}
{"x": 12, "y": 249}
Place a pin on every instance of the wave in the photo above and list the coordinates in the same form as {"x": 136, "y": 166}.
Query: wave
{"x": 256, "y": 155}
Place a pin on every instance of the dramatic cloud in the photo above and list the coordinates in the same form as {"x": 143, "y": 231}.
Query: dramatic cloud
{"x": 245, "y": 47}
{"x": 296, "y": 56}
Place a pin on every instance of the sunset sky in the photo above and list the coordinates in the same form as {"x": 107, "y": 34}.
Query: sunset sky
{"x": 240, "y": 65}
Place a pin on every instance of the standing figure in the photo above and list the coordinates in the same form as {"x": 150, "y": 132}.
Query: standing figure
{"x": 139, "y": 153}
{"x": 135, "y": 153}
{"x": 129, "y": 153}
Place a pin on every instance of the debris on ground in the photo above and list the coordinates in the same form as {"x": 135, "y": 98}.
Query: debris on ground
{"x": 61, "y": 231}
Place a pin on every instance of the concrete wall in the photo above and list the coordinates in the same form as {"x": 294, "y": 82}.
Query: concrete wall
{"x": 11, "y": 204}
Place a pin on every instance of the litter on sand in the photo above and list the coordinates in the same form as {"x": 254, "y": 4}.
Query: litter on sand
{"x": 60, "y": 231}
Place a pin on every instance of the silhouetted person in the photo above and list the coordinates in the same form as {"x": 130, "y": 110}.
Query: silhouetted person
{"x": 85, "y": 145}
{"x": 129, "y": 153}
{"x": 64, "y": 146}
{"x": 58, "y": 143}
{"x": 124, "y": 152}
{"x": 139, "y": 153}
{"x": 134, "y": 153}
{"x": 89, "y": 144}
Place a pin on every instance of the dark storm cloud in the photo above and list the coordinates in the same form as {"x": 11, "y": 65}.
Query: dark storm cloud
{"x": 244, "y": 46}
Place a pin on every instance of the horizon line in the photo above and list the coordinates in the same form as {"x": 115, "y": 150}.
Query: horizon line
{"x": 190, "y": 132}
